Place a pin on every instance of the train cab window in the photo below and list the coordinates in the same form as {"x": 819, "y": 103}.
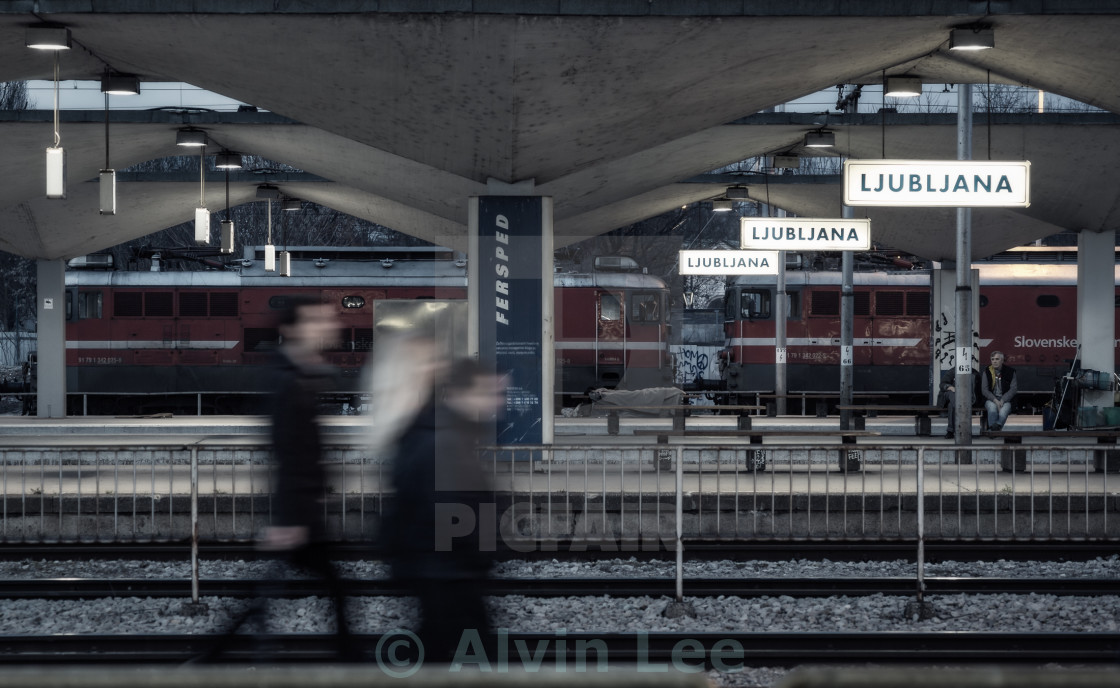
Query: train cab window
{"x": 610, "y": 308}
{"x": 793, "y": 305}
{"x": 89, "y": 305}
{"x": 645, "y": 308}
{"x": 730, "y": 304}
{"x": 754, "y": 305}
{"x": 1047, "y": 301}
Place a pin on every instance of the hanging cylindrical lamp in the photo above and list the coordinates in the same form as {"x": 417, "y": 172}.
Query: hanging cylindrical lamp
{"x": 107, "y": 178}
{"x": 201, "y": 213}
{"x": 56, "y": 156}
{"x": 227, "y": 224}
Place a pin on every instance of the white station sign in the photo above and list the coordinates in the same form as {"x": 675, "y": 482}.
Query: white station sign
{"x": 805, "y": 234}
{"x": 938, "y": 183}
{"x": 725, "y": 262}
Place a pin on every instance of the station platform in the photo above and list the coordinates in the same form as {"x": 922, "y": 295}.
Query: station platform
{"x": 161, "y": 478}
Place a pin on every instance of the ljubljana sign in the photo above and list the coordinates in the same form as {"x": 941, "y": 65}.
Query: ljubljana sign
{"x": 937, "y": 183}
{"x": 805, "y": 234}
{"x": 723, "y": 262}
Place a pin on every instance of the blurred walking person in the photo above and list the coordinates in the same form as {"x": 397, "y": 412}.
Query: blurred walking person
{"x": 438, "y": 533}
{"x": 298, "y": 532}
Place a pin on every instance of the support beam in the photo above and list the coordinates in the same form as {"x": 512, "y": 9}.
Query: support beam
{"x": 781, "y": 355}
{"x": 963, "y": 362}
{"x": 1096, "y": 312}
{"x": 50, "y": 312}
{"x": 847, "y": 328}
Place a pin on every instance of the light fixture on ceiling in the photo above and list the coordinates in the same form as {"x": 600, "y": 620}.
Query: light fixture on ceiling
{"x": 226, "y": 229}
{"x": 976, "y": 37}
{"x": 47, "y": 37}
{"x": 902, "y": 86}
{"x": 269, "y": 193}
{"x": 737, "y": 193}
{"x": 117, "y": 84}
{"x": 786, "y": 161}
{"x": 107, "y": 178}
{"x": 820, "y": 139}
{"x": 56, "y": 156}
{"x": 227, "y": 161}
{"x": 721, "y": 205}
{"x": 291, "y": 205}
{"x": 190, "y": 137}
{"x": 202, "y": 213}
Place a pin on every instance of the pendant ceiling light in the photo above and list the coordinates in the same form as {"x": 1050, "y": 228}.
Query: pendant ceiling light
{"x": 107, "y": 178}
{"x": 47, "y": 37}
{"x": 227, "y": 161}
{"x": 201, "y": 213}
{"x": 114, "y": 83}
{"x": 56, "y": 156}
{"x": 190, "y": 137}
{"x": 227, "y": 224}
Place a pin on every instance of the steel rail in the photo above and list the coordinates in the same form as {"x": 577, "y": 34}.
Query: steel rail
{"x": 91, "y": 588}
{"x": 697, "y": 549}
{"x": 655, "y": 651}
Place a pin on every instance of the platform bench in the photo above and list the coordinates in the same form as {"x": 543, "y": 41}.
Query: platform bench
{"x": 1013, "y": 458}
{"x": 850, "y": 459}
{"x": 922, "y": 422}
{"x": 679, "y": 413}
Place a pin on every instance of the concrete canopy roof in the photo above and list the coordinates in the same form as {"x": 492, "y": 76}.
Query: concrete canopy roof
{"x": 606, "y": 106}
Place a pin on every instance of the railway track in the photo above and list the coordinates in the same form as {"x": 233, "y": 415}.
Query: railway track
{"x": 590, "y": 652}
{"x": 850, "y": 550}
{"x": 89, "y": 588}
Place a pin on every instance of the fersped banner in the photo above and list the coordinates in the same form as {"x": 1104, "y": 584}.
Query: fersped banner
{"x": 509, "y": 314}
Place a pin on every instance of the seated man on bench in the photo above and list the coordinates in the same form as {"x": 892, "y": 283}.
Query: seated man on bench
{"x": 998, "y": 387}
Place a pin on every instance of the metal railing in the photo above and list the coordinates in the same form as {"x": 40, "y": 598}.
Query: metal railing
{"x": 632, "y": 496}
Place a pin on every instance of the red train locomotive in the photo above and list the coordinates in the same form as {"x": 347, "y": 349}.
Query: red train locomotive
{"x": 1028, "y": 311}
{"x": 159, "y": 341}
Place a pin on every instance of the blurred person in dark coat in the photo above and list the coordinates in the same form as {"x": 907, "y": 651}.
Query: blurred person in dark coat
{"x": 439, "y": 535}
{"x": 297, "y": 532}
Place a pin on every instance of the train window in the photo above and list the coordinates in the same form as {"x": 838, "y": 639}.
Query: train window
{"x": 917, "y": 303}
{"x": 158, "y": 304}
{"x": 69, "y": 305}
{"x": 730, "y": 304}
{"x": 192, "y": 304}
{"x": 1047, "y": 301}
{"x": 889, "y": 303}
{"x": 261, "y": 338}
{"x": 128, "y": 304}
{"x": 793, "y": 303}
{"x": 353, "y": 301}
{"x": 754, "y": 304}
{"x": 609, "y": 307}
{"x": 89, "y": 305}
{"x": 223, "y": 304}
{"x": 825, "y": 303}
{"x": 645, "y": 308}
